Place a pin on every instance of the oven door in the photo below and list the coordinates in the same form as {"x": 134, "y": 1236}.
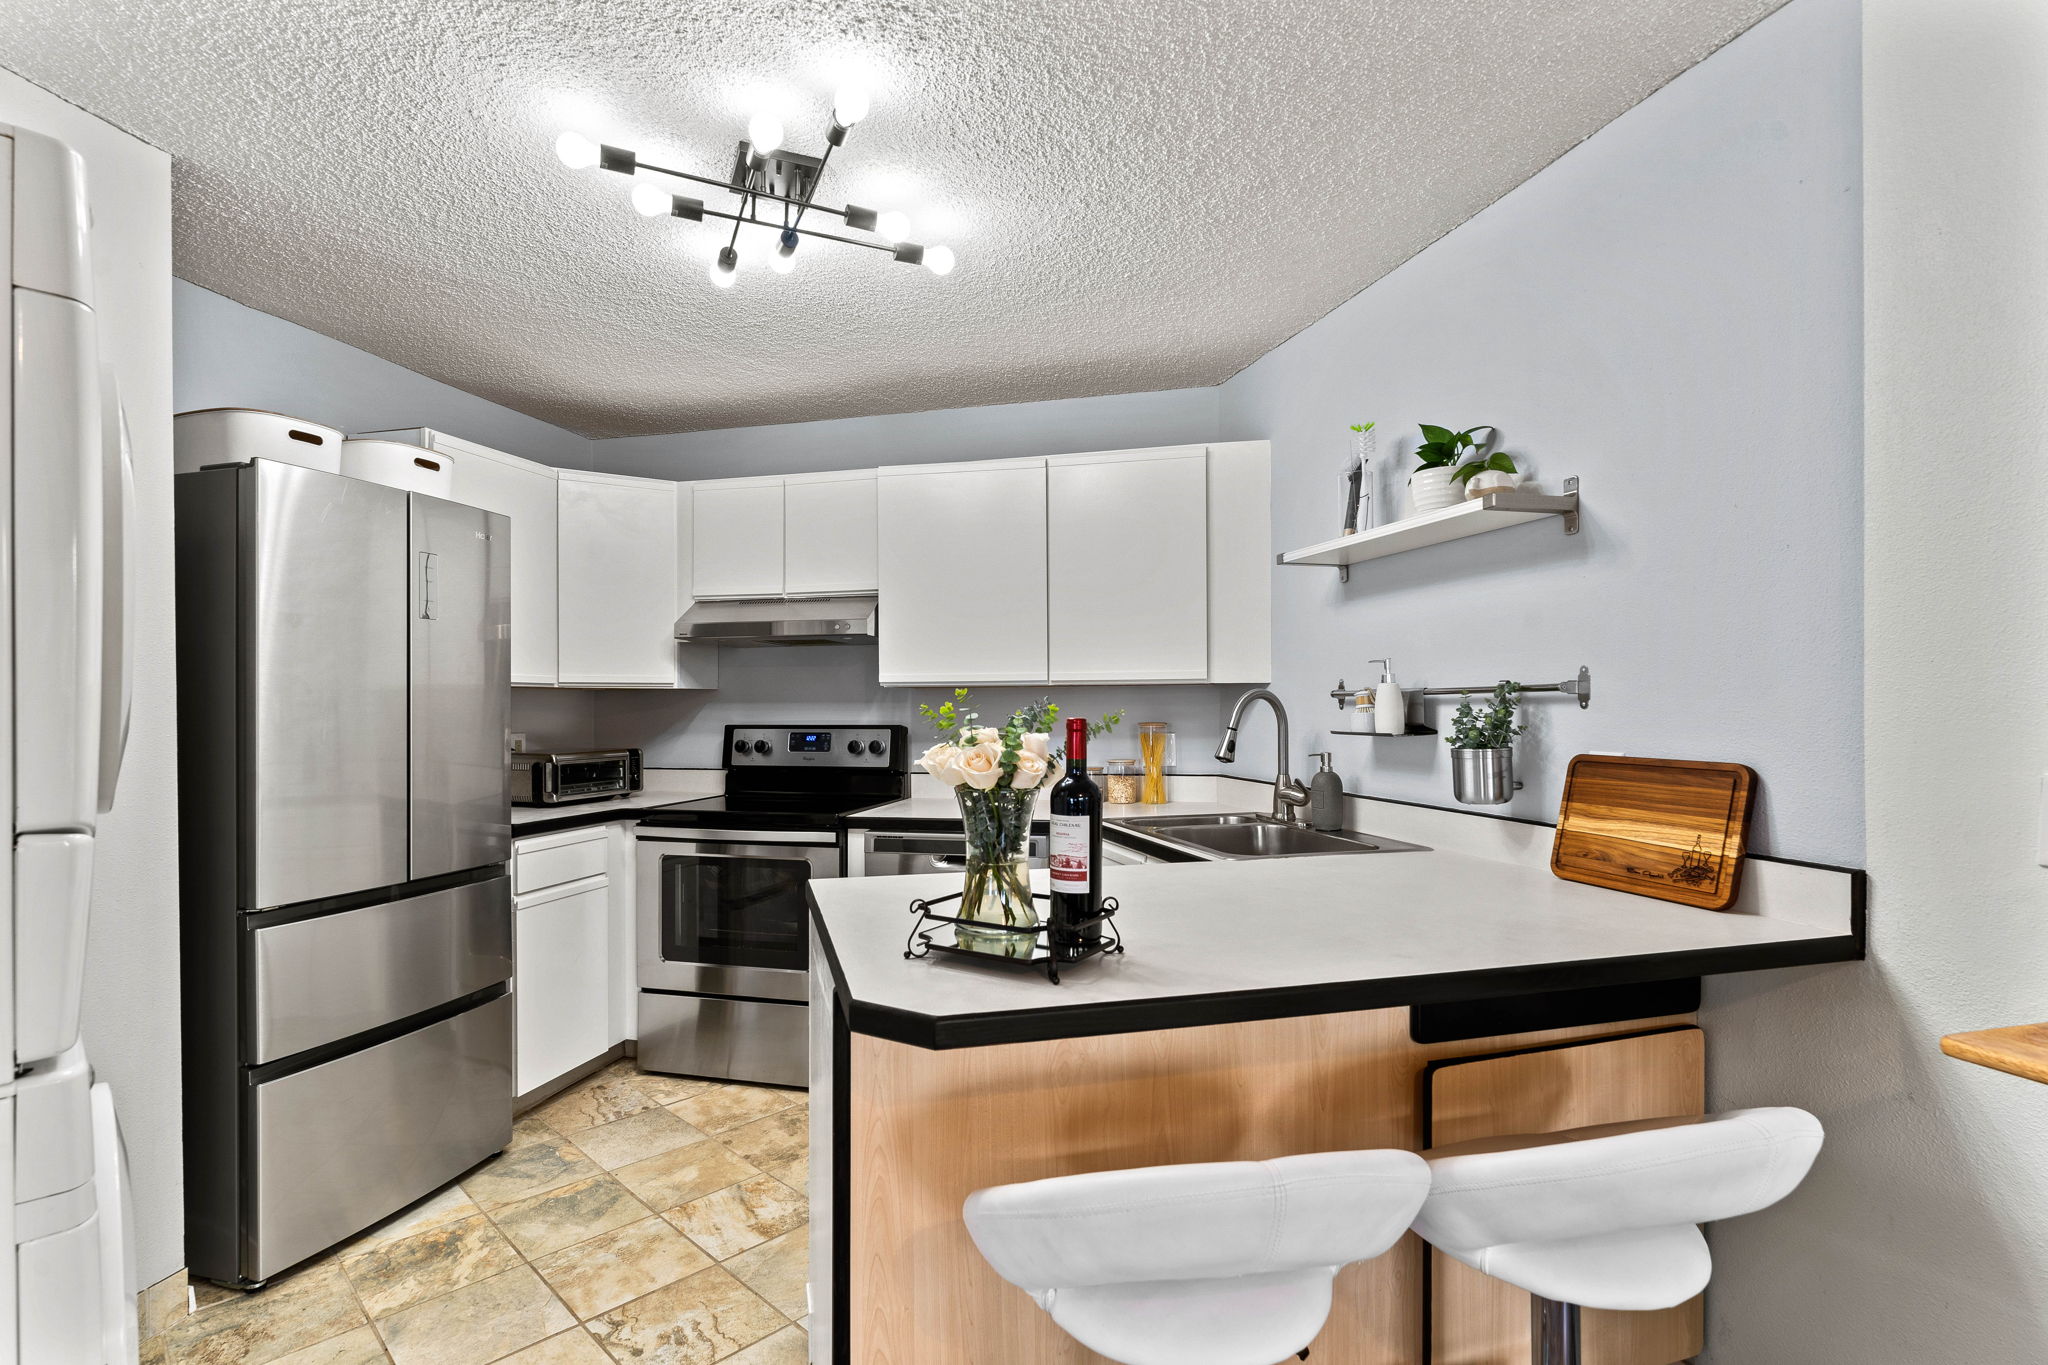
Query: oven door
{"x": 729, "y": 914}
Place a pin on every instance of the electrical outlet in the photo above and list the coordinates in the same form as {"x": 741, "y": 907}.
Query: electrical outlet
{"x": 518, "y": 741}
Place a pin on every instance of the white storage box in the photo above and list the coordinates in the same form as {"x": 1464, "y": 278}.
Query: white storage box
{"x": 398, "y": 465}
{"x": 213, "y": 436}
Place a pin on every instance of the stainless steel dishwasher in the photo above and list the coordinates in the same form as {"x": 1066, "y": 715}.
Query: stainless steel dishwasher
{"x": 900, "y": 855}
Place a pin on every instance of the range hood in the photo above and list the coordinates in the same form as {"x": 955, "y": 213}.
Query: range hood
{"x": 780, "y": 621}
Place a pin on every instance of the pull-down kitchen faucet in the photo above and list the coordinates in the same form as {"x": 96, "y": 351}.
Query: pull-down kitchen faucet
{"x": 1286, "y": 791}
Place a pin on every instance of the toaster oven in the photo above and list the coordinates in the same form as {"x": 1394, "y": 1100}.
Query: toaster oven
{"x": 550, "y": 779}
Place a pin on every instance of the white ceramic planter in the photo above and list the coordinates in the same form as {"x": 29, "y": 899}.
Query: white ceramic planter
{"x": 1489, "y": 481}
{"x": 1431, "y": 490}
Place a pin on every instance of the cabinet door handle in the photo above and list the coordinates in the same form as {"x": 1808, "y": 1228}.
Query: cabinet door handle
{"x": 427, "y": 559}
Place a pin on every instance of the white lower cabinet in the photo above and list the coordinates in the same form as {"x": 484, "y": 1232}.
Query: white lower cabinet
{"x": 562, "y": 979}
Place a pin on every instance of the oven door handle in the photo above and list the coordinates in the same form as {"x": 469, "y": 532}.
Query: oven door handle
{"x": 945, "y": 850}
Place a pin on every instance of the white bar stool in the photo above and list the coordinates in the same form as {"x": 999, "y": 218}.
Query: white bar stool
{"x": 1608, "y": 1217}
{"x": 1225, "y": 1263}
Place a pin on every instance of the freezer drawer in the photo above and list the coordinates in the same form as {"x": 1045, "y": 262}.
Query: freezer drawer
{"x": 320, "y": 980}
{"x": 340, "y": 1146}
{"x": 741, "y": 1040}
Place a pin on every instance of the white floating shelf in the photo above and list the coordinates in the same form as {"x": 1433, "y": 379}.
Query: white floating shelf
{"x": 1490, "y": 512}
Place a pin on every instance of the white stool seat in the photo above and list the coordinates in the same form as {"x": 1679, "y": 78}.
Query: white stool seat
{"x": 1603, "y": 1218}
{"x": 1226, "y": 1263}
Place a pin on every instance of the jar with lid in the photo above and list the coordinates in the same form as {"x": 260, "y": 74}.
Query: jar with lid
{"x": 1156, "y": 747}
{"x": 1120, "y": 782}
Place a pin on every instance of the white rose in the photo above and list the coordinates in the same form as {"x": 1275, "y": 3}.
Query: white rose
{"x": 982, "y": 766}
{"x": 988, "y": 734}
{"x": 943, "y": 762}
{"x": 1035, "y": 743}
{"x": 1031, "y": 770}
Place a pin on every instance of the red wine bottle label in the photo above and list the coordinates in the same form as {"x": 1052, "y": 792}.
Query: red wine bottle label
{"x": 1070, "y": 870}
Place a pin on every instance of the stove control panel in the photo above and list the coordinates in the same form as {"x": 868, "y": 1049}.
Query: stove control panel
{"x": 855, "y": 746}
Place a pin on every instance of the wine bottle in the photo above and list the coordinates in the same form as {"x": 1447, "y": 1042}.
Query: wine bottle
{"x": 1076, "y": 809}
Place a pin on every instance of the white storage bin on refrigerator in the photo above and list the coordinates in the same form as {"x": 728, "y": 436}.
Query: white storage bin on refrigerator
{"x": 398, "y": 465}
{"x": 211, "y": 436}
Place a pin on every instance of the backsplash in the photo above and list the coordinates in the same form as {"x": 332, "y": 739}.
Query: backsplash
{"x": 836, "y": 686}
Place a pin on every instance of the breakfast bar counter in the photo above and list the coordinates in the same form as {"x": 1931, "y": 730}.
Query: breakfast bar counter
{"x": 1262, "y": 1008}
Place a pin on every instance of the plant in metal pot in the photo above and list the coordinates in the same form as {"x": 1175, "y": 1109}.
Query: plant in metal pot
{"x": 1482, "y": 741}
{"x": 1430, "y": 487}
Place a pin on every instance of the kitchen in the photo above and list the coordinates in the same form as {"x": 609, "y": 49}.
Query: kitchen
{"x": 1724, "y": 281}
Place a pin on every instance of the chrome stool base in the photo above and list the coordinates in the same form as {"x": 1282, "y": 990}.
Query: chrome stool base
{"x": 1554, "y": 1337}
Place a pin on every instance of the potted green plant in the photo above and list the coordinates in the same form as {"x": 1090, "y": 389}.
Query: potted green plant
{"x": 1431, "y": 487}
{"x": 1488, "y": 475}
{"x": 1483, "y": 748}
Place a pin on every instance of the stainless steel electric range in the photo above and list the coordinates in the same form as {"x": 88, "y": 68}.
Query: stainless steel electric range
{"x": 724, "y": 939}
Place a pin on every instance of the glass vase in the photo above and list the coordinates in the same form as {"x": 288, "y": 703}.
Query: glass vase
{"x": 997, "y": 889}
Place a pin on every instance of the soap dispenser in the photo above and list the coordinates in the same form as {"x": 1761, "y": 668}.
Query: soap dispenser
{"x": 1325, "y": 797}
{"x": 1390, "y": 708}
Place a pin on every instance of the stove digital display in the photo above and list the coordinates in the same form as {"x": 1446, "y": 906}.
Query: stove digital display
{"x": 810, "y": 741}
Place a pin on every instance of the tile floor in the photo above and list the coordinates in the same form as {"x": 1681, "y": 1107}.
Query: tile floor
{"x": 635, "y": 1217}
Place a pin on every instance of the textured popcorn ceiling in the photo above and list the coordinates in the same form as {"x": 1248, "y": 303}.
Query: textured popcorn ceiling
{"x": 1143, "y": 194}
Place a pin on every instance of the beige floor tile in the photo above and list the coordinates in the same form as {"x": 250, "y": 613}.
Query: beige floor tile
{"x": 205, "y": 1294}
{"x": 777, "y": 1271}
{"x": 154, "y": 1350}
{"x": 446, "y": 1205}
{"x": 687, "y": 1173}
{"x": 666, "y": 1089}
{"x": 531, "y": 1127}
{"x": 788, "y": 1347}
{"x": 573, "y": 1347}
{"x": 428, "y": 1264}
{"x": 526, "y": 1171}
{"x": 562, "y": 1217}
{"x": 779, "y": 1144}
{"x": 360, "y": 1347}
{"x": 728, "y": 1106}
{"x": 622, "y": 1264}
{"x": 254, "y": 1329}
{"x": 601, "y": 1099}
{"x": 160, "y": 1305}
{"x": 636, "y": 1137}
{"x": 477, "y": 1323}
{"x": 705, "y": 1318}
{"x": 741, "y": 1216}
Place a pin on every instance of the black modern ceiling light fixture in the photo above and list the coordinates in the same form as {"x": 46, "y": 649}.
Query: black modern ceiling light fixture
{"x": 776, "y": 188}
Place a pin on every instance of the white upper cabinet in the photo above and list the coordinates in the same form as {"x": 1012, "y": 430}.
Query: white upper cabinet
{"x": 1128, "y": 565}
{"x": 736, "y": 548}
{"x": 1241, "y": 562}
{"x": 618, "y": 549}
{"x": 525, "y": 492}
{"x": 962, "y": 572}
{"x": 828, "y": 525}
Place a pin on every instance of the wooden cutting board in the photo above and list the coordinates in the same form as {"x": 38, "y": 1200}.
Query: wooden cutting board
{"x": 1662, "y": 827}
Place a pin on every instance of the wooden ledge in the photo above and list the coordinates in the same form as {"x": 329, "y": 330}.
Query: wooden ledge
{"x": 2020, "y": 1051}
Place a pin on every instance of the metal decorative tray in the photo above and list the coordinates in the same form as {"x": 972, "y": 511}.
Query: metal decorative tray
{"x": 1039, "y": 957}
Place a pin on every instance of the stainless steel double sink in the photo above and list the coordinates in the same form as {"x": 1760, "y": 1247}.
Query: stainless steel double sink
{"x": 1239, "y": 835}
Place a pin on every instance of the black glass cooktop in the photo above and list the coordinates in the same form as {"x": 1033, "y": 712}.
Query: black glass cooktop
{"x": 772, "y": 810}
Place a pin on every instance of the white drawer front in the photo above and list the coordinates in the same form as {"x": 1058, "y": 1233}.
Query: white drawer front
{"x": 551, "y": 860}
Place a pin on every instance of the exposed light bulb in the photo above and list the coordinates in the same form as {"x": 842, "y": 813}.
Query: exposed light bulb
{"x": 850, "y": 104}
{"x": 651, "y": 199}
{"x": 939, "y": 260}
{"x": 894, "y": 225}
{"x": 577, "y": 151}
{"x": 764, "y": 130}
{"x": 725, "y": 269}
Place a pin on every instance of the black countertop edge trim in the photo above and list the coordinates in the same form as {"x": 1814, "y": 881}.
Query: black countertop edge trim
{"x": 902, "y": 824}
{"x": 1238, "y": 1007}
{"x": 578, "y": 819}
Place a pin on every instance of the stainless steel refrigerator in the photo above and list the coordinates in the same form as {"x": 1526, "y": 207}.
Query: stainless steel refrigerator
{"x": 344, "y": 699}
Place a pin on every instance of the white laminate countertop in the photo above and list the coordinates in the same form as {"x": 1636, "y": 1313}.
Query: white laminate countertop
{"x": 1212, "y": 941}
{"x": 947, "y": 809}
{"x": 598, "y": 812}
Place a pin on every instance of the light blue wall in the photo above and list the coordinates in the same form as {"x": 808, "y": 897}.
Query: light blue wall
{"x": 227, "y": 356}
{"x": 1672, "y": 312}
{"x": 1067, "y": 425}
